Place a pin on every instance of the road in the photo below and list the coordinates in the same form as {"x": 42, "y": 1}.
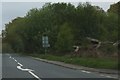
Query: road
{"x": 16, "y": 66}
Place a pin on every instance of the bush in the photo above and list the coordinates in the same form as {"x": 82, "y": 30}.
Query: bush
{"x": 108, "y": 49}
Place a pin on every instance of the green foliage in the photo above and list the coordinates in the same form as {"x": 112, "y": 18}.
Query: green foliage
{"x": 65, "y": 25}
{"x": 6, "y": 48}
{"x": 111, "y": 23}
{"x": 65, "y": 38}
{"x": 13, "y": 35}
{"x": 114, "y": 8}
{"x": 105, "y": 63}
{"x": 109, "y": 49}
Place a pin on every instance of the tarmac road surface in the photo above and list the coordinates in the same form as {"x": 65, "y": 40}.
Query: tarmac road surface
{"x": 23, "y": 67}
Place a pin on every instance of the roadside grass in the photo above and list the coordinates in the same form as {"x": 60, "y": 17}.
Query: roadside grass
{"x": 102, "y": 63}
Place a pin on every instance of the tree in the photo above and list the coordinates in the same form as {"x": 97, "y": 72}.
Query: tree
{"x": 65, "y": 38}
{"x": 65, "y": 25}
{"x": 114, "y": 15}
{"x": 13, "y": 34}
{"x": 114, "y": 8}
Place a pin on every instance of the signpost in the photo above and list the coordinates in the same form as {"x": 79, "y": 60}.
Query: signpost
{"x": 45, "y": 43}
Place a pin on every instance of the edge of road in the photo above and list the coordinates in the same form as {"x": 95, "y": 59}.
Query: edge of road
{"x": 76, "y": 67}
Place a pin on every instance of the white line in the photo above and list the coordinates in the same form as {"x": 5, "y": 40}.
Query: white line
{"x": 109, "y": 76}
{"x": 86, "y": 71}
{"x": 15, "y": 60}
{"x": 10, "y": 57}
{"x": 34, "y": 75}
{"x": 20, "y": 67}
{"x": 28, "y": 70}
{"x": 19, "y": 64}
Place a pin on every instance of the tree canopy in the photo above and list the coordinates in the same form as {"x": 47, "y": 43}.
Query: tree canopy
{"x": 65, "y": 25}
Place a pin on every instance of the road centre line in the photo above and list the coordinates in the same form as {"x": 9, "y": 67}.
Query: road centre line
{"x": 34, "y": 75}
{"x": 15, "y": 60}
{"x": 10, "y": 57}
{"x": 28, "y": 70}
{"x": 20, "y": 67}
{"x": 19, "y": 64}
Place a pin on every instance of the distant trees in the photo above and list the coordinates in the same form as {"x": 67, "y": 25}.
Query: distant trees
{"x": 65, "y": 25}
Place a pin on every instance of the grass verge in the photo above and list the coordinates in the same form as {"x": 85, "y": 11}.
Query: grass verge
{"x": 103, "y": 63}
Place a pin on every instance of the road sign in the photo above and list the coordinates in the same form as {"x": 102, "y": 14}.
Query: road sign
{"x": 45, "y": 41}
{"x": 45, "y": 38}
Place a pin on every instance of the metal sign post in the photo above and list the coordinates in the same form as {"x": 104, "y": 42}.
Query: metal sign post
{"x": 45, "y": 43}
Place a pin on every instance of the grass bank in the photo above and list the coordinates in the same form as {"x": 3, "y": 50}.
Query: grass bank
{"x": 103, "y": 63}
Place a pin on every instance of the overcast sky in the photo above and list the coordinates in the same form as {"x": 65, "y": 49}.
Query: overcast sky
{"x": 11, "y": 10}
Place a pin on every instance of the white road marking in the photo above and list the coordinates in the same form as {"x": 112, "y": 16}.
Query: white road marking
{"x": 86, "y": 71}
{"x": 15, "y": 60}
{"x": 109, "y": 76}
{"x": 34, "y": 75}
{"x": 10, "y": 57}
{"x": 28, "y": 70}
{"x": 19, "y": 64}
{"x": 20, "y": 67}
